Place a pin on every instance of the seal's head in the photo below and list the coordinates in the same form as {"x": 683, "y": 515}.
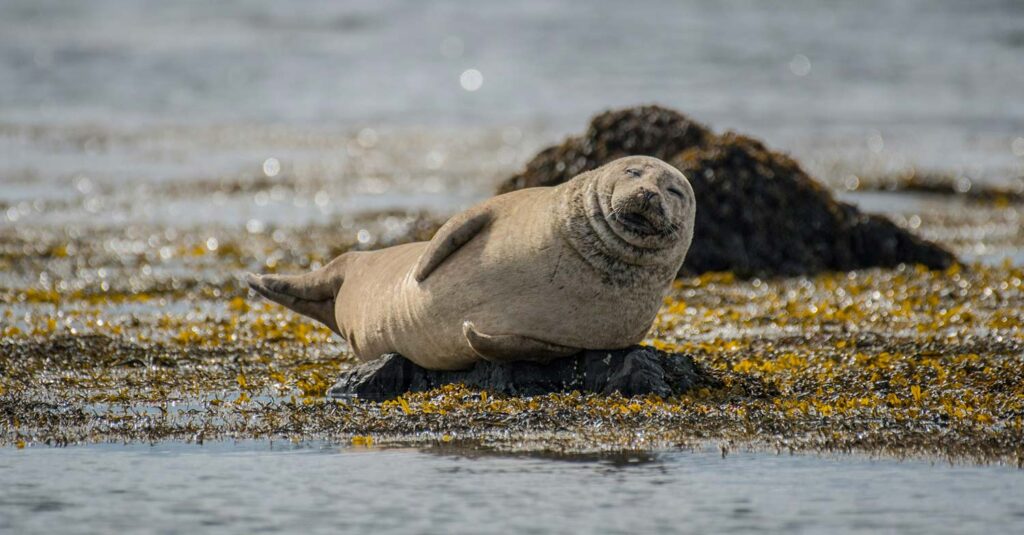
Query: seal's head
{"x": 634, "y": 211}
{"x": 647, "y": 202}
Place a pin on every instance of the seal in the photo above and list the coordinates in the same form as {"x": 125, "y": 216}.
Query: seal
{"x": 534, "y": 274}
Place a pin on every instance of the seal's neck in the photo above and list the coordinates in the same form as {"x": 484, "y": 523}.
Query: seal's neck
{"x": 583, "y": 223}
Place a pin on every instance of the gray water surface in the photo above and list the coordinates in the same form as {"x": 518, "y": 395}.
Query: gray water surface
{"x": 130, "y": 93}
{"x": 252, "y": 487}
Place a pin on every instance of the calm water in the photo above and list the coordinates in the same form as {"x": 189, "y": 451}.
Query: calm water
{"x": 251, "y": 488}
{"x": 125, "y": 92}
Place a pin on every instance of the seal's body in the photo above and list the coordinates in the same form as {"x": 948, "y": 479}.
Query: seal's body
{"x": 530, "y": 275}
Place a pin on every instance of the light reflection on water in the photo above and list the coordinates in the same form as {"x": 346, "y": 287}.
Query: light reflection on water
{"x": 321, "y": 488}
{"x": 110, "y": 91}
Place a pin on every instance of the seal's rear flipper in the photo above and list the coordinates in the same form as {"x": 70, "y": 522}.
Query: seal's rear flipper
{"x": 311, "y": 294}
{"x": 277, "y": 288}
{"x": 512, "y": 347}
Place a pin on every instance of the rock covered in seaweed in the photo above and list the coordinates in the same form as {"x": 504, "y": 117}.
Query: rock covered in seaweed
{"x": 648, "y": 131}
{"x": 758, "y": 212}
{"x": 634, "y": 371}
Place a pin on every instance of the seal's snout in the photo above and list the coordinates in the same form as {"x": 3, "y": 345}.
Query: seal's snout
{"x": 652, "y": 199}
{"x": 650, "y": 206}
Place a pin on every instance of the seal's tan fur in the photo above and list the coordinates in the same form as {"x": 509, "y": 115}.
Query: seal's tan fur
{"x": 533, "y": 274}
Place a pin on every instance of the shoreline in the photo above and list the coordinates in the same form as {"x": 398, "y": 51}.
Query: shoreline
{"x": 235, "y": 371}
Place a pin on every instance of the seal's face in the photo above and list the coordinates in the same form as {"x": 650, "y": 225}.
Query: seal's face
{"x": 634, "y": 211}
{"x": 647, "y": 202}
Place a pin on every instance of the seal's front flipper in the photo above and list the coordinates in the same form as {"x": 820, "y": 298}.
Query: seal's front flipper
{"x": 311, "y": 294}
{"x": 512, "y": 347}
{"x": 452, "y": 235}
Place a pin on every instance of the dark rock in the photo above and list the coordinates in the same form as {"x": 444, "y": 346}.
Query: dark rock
{"x": 758, "y": 212}
{"x": 630, "y": 372}
{"x": 649, "y": 130}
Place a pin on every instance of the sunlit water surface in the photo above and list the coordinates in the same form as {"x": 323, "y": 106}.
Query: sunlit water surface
{"x": 116, "y": 111}
{"x": 255, "y": 488}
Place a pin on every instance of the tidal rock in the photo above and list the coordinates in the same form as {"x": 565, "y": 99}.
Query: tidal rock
{"x": 758, "y": 212}
{"x": 634, "y": 371}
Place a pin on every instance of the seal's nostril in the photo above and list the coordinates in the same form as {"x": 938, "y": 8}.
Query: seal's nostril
{"x": 652, "y": 201}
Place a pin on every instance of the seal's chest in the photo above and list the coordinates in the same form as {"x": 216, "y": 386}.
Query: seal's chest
{"x": 588, "y": 304}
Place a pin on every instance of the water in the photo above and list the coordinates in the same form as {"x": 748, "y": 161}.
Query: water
{"x": 144, "y": 94}
{"x": 252, "y": 488}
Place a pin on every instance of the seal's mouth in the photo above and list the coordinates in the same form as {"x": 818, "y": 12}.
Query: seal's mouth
{"x": 637, "y": 223}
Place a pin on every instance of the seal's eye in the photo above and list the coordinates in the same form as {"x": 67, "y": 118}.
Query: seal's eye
{"x": 675, "y": 192}
{"x": 634, "y": 172}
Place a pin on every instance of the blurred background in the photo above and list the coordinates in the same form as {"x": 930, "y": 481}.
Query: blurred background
{"x": 266, "y": 113}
